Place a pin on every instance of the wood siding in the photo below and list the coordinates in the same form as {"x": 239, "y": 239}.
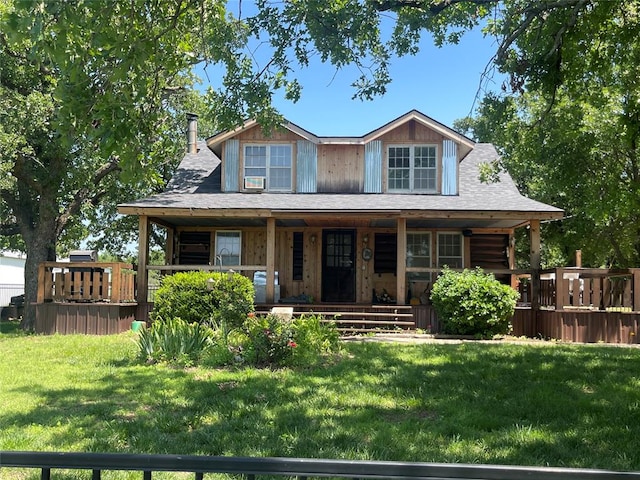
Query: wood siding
{"x": 340, "y": 168}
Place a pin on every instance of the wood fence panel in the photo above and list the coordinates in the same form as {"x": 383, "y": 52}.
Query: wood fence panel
{"x": 589, "y": 326}
{"x": 87, "y": 318}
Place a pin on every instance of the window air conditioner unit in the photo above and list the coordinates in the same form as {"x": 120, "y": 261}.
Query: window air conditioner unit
{"x": 254, "y": 183}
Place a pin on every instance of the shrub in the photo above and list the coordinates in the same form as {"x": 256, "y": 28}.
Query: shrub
{"x": 473, "y": 303}
{"x": 204, "y": 297}
{"x": 269, "y": 341}
{"x": 174, "y": 340}
{"x": 313, "y": 338}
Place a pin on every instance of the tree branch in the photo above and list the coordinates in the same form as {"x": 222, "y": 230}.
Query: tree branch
{"x": 9, "y": 229}
{"x": 83, "y": 195}
{"x": 13, "y": 54}
{"x": 432, "y": 8}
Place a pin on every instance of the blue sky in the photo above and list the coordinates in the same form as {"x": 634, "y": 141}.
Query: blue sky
{"x": 440, "y": 82}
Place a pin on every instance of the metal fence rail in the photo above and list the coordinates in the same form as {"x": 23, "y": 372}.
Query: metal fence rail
{"x": 291, "y": 467}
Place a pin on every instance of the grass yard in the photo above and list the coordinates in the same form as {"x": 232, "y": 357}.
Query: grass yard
{"x": 542, "y": 404}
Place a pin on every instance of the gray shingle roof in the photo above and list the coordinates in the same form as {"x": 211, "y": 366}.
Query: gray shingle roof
{"x": 196, "y": 185}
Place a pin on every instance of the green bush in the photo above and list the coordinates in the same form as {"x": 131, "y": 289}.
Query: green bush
{"x": 313, "y": 338}
{"x": 270, "y": 341}
{"x": 473, "y": 303}
{"x": 204, "y": 297}
{"x": 174, "y": 341}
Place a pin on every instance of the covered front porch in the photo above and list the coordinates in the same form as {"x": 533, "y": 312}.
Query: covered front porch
{"x": 338, "y": 257}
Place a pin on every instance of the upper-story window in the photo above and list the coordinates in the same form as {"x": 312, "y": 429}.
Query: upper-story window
{"x": 272, "y": 162}
{"x": 413, "y": 168}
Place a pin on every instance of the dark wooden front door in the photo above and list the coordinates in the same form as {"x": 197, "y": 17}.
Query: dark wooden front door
{"x": 338, "y": 266}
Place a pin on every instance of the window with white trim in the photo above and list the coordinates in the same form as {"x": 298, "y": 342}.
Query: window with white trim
{"x": 228, "y": 246}
{"x": 271, "y": 161}
{"x": 419, "y": 249}
{"x": 450, "y": 250}
{"x": 412, "y": 168}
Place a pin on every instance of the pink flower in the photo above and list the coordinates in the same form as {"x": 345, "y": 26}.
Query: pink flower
{"x": 292, "y": 344}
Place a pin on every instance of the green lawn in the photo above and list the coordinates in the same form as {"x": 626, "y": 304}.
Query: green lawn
{"x": 541, "y": 404}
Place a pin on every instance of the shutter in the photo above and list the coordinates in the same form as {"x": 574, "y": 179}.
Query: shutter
{"x": 231, "y": 165}
{"x": 373, "y": 167}
{"x": 306, "y": 167}
{"x": 449, "y": 168}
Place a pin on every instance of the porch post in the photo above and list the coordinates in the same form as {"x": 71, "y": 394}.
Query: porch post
{"x": 534, "y": 238}
{"x": 511, "y": 254}
{"x": 271, "y": 259}
{"x": 401, "y": 262}
{"x": 168, "y": 247}
{"x": 141, "y": 276}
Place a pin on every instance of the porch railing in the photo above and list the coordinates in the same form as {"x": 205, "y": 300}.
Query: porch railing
{"x": 251, "y": 468}
{"x": 86, "y": 282}
{"x": 613, "y": 290}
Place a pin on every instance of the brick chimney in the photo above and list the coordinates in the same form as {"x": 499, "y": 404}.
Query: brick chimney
{"x": 192, "y": 133}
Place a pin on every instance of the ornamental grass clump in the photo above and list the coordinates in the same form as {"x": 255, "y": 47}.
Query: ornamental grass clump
{"x": 174, "y": 341}
{"x": 473, "y": 303}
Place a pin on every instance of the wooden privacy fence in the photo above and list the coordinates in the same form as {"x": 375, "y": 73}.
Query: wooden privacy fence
{"x": 251, "y": 468}
{"x": 86, "y": 282}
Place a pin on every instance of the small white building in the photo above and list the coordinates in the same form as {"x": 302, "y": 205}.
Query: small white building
{"x": 11, "y": 275}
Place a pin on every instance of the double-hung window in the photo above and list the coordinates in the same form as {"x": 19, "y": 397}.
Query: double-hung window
{"x": 412, "y": 168}
{"x": 272, "y": 162}
{"x": 450, "y": 250}
{"x": 228, "y": 245}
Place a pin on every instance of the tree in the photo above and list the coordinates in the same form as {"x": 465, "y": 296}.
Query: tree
{"x": 88, "y": 93}
{"x": 577, "y": 145}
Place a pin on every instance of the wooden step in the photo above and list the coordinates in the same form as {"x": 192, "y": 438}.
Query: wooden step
{"x": 367, "y": 322}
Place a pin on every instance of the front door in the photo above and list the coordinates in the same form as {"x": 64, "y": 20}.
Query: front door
{"x": 338, "y": 266}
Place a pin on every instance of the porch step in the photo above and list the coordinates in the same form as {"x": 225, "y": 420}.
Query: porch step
{"x": 357, "y": 318}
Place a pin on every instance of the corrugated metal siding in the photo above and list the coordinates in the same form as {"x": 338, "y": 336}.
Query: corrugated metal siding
{"x": 373, "y": 167}
{"x": 231, "y": 165}
{"x": 449, "y": 168}
{"x": 307, "y": 167}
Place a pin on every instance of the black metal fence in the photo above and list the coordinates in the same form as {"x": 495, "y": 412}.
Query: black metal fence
{"x": 303, "y": 468}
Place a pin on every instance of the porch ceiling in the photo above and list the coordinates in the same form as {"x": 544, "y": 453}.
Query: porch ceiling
{"x": 332, "y": 222}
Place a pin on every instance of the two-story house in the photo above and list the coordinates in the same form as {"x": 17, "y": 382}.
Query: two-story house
{"x": 337, "y": 218}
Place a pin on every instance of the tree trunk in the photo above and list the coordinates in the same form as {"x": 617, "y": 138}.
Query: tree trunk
{"x": 41, "y": 247}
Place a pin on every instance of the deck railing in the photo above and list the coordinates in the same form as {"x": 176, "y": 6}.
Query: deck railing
{"x": 86, "y": 282}
{"x": 612, "y": 290}
{"x": 251, "y": 468}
